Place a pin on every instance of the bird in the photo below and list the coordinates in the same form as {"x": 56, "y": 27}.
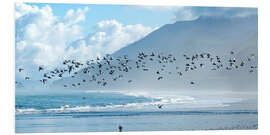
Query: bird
{"x": 159, "y": 78}
{"x": 242, "y": 64}
{"x": 43, "y": 81}
{"x": 21, "y": 69}
{"x": 40, "y": 68}
{"x": 104, "y": 83}
{"x": 117, "y": 67}
{"x": 159, "y": 106}
{"x": 201, "y": 65}
{"x": 145, "y": 69}
{"x": 70, "y": 69}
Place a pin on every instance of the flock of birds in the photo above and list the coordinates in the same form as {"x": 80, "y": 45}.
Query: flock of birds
{"x": 100, "y": 68}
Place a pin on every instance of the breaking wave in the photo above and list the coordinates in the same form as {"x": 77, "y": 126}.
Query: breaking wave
{"x": 151, "y": 103}
{"x": 110, "y": 101}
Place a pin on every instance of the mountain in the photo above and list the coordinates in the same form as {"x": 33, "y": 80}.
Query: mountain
{"x": 215, "y": 35}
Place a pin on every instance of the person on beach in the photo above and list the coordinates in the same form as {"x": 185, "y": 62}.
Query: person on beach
{"x": 120, "y": 128}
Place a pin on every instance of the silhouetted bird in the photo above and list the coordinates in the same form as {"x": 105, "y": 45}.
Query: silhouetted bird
{"x": 20, "y": 69}
{"x": 159, "y": 106}
{"x": 160, "y": 77}
{"x": 40, "y": 68}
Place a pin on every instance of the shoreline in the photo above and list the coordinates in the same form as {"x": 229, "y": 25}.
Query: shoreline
{"x": 85, "y": 122}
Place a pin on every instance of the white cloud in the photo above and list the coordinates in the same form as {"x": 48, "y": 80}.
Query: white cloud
{"x": 73, "y": 17}
{"x": 108, "y": 37}
{"x": 23, "y": 9}
{"x": 184, "y": 14}
{"x": 45, "y": 39}
{"x": 41, "y": 37}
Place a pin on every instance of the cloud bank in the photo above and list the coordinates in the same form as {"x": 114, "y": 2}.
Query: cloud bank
{"x": 108, "y": 37}
{"x": 45, "y": 39}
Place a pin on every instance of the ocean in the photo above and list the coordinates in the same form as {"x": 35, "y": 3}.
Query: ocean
{"x": 105, "y": 111}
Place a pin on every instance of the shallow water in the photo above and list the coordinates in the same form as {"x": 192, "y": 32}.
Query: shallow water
{"x": 136, "y": 121}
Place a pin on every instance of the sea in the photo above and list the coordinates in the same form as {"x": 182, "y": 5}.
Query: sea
{"x": 101, "y": 111}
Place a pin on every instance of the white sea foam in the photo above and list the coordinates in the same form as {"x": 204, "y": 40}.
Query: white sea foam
{"x": 116, "y": 107}
{"x": 27, "y": 111}
{"x": 173, "y": 100}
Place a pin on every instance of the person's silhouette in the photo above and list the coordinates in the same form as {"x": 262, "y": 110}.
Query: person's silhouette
{"x": 120, "y": 128}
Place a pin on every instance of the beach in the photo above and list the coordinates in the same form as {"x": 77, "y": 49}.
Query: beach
{"x": 165, "y": 121}
{"x": 133, "y": 113}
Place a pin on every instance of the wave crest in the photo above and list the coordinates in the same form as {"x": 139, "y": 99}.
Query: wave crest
{"x": 116, "y": 107}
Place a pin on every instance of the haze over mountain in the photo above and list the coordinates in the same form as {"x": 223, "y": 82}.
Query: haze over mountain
{"x": 215, "y": 35}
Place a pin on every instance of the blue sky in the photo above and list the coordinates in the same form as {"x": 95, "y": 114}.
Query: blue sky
{"x": 127, "y": 15}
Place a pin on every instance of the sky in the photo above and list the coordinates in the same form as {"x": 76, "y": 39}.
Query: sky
{"x": 127, "y": 15}
{"x": 46, "y": 34}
